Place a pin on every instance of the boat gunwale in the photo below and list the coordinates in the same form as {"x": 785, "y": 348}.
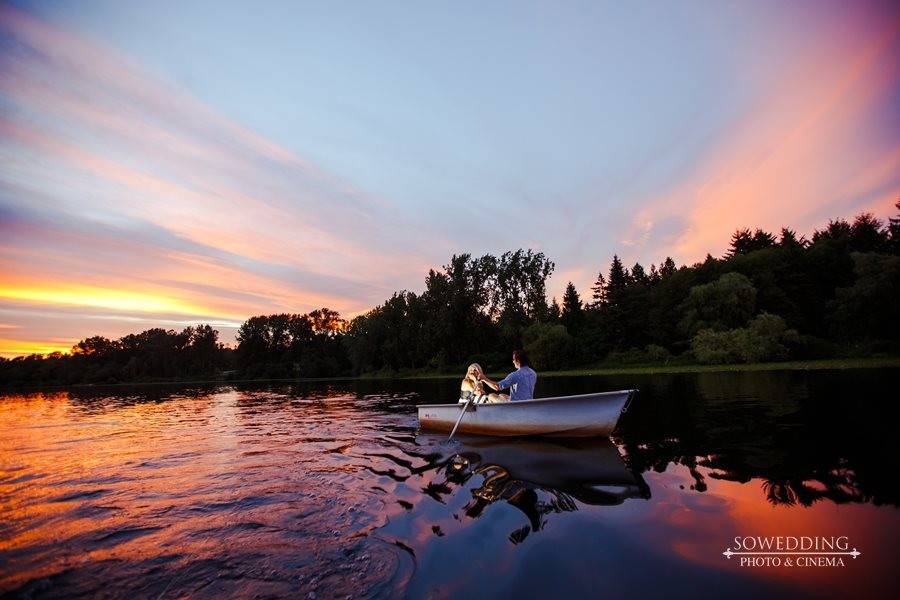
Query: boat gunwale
{"x": 531, "y": 400}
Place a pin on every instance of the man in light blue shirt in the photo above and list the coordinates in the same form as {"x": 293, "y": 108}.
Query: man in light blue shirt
{"x": 520, "y": 382}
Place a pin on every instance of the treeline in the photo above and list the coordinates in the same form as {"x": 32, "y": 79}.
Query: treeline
{"x": 286, "y": 345}
{"x": 772, "y": 297}
{"x": 153, "y": 354}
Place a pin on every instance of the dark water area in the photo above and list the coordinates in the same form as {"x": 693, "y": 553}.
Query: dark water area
{"x": 328, "y": 490}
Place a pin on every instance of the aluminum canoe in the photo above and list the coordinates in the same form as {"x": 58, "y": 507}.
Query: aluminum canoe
{"x": 583, "y": 415}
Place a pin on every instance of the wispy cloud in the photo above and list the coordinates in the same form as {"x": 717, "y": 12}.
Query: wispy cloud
{"x": 809, "y": 150}
{"x": 121, "y": 192}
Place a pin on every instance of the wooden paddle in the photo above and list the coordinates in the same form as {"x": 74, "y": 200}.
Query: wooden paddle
{"x": 461, "y": 415}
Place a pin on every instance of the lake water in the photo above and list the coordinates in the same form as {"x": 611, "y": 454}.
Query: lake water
{"x": 328, "y": 490}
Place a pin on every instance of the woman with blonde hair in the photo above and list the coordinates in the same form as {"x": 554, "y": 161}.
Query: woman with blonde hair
{"x": 471, "y": 388}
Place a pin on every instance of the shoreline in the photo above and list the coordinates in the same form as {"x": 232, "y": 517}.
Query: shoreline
{"x": 822, "y": 364}
{"x": 835, "y": 364}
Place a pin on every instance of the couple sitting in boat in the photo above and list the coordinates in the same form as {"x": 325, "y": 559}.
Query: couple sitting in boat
{"x": 520, "y": 383}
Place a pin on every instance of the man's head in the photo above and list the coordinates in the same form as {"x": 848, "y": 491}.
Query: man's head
{"x": 520, "y": 359}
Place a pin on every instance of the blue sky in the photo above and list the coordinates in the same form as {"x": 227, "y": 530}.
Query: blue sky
{"x": 332, "y": 152}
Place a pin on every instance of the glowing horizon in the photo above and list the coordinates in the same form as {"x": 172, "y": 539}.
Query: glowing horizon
{"x": 162, "y": 168}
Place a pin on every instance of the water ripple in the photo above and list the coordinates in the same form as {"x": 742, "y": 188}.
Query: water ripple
{"x": 291, "y": 491}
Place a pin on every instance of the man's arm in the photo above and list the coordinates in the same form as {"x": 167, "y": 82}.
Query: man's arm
{"x": 499, "y": 385}
{"x": 493, "y": 384}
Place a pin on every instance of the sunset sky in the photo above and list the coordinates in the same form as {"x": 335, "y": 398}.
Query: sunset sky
{"x": 168, "y": 163}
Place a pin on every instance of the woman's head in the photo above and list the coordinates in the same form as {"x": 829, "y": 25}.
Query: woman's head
{"x": 474, "y": 370}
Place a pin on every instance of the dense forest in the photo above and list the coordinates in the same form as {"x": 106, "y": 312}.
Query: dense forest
{"x": 771, "y": 297}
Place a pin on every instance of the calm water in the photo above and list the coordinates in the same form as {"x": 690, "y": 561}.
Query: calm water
{"x": 328, "y": 490}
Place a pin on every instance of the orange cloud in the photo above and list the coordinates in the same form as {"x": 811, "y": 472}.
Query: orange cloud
{"x": 803, "y": 154}
{"x": 95, "y": 297}
{"x": 10, "y": 348}
{"x": 129, "y": 198}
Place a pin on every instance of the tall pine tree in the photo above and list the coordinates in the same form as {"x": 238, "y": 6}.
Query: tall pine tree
{"x": 618, "y": 278}
{"x": 599, "y": 292}
{"x": 553, "y": 312}
{"x": 667, "y": 268}
{"x": 572, "y": 315}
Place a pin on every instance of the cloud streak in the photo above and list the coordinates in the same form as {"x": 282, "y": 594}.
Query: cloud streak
{"x": 809, "y": 150}
{"x": 120, "y": 192}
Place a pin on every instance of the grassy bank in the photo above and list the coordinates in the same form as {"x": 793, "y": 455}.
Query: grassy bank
{"x": 797, "y": 365}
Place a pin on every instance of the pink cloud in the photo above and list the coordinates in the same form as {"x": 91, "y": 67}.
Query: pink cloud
{"x": 806, "y": 152}
{"x": 243, "y": 224}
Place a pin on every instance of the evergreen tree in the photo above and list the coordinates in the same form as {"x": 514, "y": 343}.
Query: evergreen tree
{"x": 667, "y": 269}
{"x": 554, "y": 312}
{"x": 868, "y": 234}
{"x": 744, "y": 242}
{"x": 894, "y": 231}
{"x": 599, "y": 291}
{"x": 836, "y": 229}
{"x": 572, "y": 316}
{"x": 763, "y": 239}
{"x": 638, "y": 275}
{"x": 614, "y": 324}
{"x": 618, "y": 277}
{"x": 790, "y": 240}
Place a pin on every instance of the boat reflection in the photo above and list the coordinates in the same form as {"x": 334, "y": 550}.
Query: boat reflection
{"x": 537, "y": 476}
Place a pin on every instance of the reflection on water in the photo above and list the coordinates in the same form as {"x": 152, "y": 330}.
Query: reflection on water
{"x": 329, "y": 489}
{"x": 520, "y": 472}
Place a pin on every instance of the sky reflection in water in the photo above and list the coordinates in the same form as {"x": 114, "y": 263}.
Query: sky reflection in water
{"x": 329, "y": 488}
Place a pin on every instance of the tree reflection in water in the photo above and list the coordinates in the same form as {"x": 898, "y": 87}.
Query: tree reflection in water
{"x": 805, "y": 438}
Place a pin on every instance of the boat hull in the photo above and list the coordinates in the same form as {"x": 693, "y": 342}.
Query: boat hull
{"x": 585, "y": 415}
